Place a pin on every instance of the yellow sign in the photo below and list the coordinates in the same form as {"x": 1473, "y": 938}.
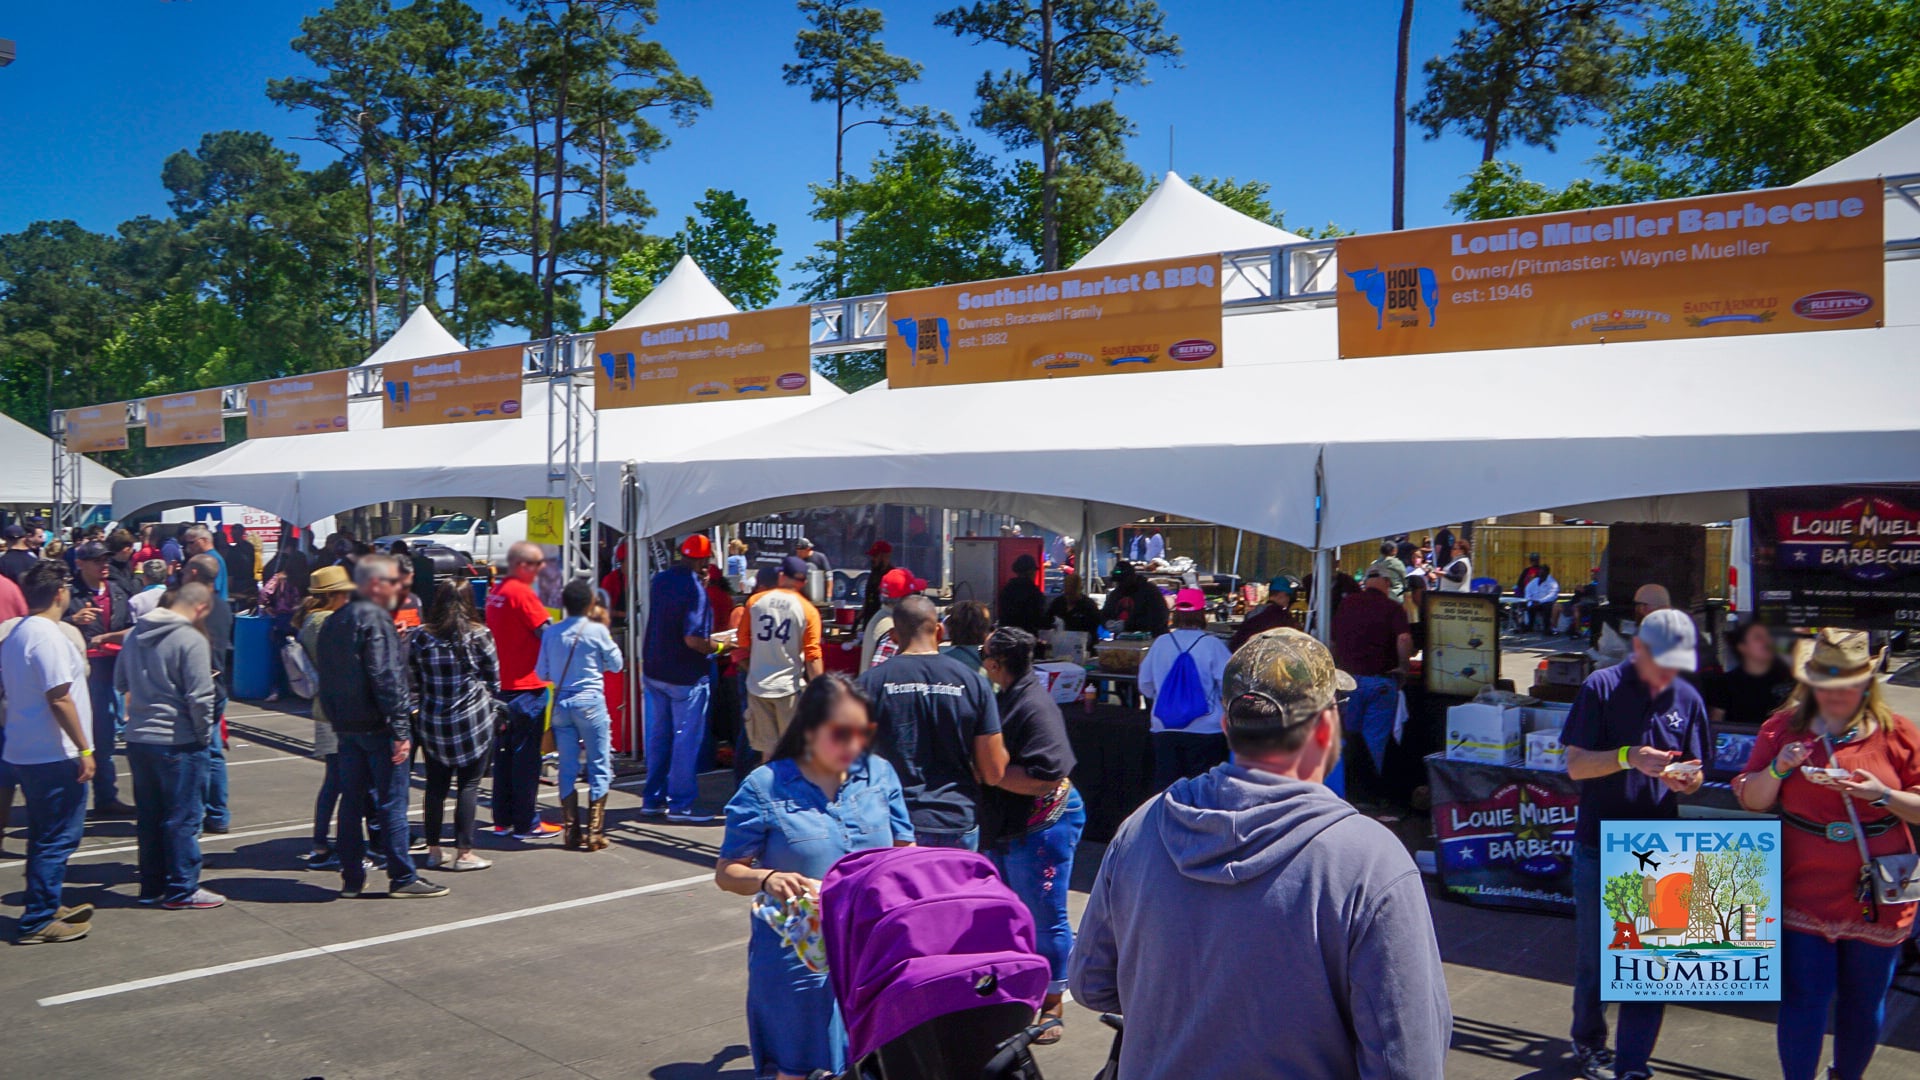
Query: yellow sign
{"x": 483, "y": 384}
{"x": 97, "y": 427}
{"x": 297, "y": 405}
{"x": 1757, "y": 262}
{"x": 547, "y": 521}
{"x": 185, "y": 419}
{"x": 1149, "y": 316}
{"x": 724, "y": 358}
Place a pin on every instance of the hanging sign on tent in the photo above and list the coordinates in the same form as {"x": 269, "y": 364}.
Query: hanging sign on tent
{"x": 751, "y": 354}
{"x": 191, "y": 419}
{"x": 1755, "y": 262}
{"x": 546, "y": 521}
{"x": 97, "y": 427}
{"x": 483, "y": 384}
{"x": 1836, "y": 556}
{"x": 297, "y": 405}
{"x": 1149, "y": 316}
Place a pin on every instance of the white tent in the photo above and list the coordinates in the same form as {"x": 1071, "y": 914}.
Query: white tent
{"x": 421, "y": 335}
{"x": 1896, "y": 155}
{"x": 28, "y": 479}
{"x": 1178, "y": 219}
{"x": 307, "y": 477}
{"x": 685, "y": 292}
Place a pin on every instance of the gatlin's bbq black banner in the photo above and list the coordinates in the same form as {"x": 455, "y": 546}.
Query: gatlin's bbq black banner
{"x": 1837, "y": 556}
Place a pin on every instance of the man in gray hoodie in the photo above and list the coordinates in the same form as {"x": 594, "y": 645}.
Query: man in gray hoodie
{"x": 1248, "y": 922}
{"x": 166, "y": 672}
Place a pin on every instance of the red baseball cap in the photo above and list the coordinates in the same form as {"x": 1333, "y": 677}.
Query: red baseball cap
{"x": 880, "y": 547}
{"x": 899, "y": 583}
{"x": 697, "y": 546}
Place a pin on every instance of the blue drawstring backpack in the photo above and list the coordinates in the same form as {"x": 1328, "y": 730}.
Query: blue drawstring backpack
{"x": 1183, "y": 696}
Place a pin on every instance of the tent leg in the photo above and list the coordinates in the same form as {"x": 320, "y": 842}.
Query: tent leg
{"x": 1323, "y": 594}
{"x": 636, "y": 548}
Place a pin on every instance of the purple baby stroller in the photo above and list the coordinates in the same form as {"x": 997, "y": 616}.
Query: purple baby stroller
{"x": 931, "y": 957}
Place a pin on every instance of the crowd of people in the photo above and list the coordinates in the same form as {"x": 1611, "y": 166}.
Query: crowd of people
{"x": 946, "y": 736}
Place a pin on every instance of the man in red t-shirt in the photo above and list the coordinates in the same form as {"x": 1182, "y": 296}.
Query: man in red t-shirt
{"x": 1373, "y": 642}
{"x": 516, "y": 617}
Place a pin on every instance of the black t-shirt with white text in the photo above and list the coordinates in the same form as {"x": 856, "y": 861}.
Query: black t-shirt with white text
{"x": 928, "y": 708}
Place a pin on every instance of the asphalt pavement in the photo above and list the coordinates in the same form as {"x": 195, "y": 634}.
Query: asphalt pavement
{"x": 622, "y": 963}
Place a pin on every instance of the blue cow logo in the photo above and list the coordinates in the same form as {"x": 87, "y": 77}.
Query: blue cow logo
{"x": 930, "y": 339}
{"x": 1398, "y": 290}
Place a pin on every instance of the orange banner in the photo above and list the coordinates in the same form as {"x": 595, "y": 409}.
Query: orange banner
{"x": 1149, "y": 316}
{"x": 297, "y": 405}
{"x": 483, "y": 384}
{"x": 724, "y": 358}
{"x": 1756, "y": 262}
{"x": 97, "y": 427}
{"x": 190, "y": 419}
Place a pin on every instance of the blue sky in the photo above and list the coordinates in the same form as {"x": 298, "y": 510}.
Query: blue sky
{"x": 1297, "y": 94}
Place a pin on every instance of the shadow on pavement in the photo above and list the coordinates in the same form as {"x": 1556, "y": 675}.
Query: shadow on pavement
{"x": 713, "y": 1068}
{"x": 1541, "y": 1057}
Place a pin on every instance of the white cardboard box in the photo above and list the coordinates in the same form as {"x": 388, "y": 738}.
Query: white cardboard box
{"x": 1064, "y": 680}
{"x": 1488, "y": 734}
{"x": 1545, "y": 752}
{"x": 1546, "y": 716}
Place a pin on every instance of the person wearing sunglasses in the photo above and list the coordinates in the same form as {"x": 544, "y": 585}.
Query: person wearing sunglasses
{"x": 821, "y": 796}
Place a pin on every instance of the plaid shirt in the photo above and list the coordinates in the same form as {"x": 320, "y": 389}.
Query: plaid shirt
{"x": 457, "y": 681}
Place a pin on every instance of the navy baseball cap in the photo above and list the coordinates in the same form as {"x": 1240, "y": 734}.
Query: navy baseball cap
{"x": 795, "y": 567}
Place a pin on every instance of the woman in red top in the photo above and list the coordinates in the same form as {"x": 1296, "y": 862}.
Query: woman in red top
{"x": 1835, "y": 941}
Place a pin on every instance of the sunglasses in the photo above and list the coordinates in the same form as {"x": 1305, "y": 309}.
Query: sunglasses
{"x": 847, "y": 734}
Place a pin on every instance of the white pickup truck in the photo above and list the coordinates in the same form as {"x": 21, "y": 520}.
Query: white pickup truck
{"x": 477, "y": 538}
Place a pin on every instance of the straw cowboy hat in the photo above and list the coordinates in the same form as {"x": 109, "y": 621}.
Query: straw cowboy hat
{"x": 330, "y": 579}
{"x": 1835, "y": 659}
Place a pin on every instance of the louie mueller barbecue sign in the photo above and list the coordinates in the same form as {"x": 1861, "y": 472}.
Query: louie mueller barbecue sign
{"x": 1837, "y": 556}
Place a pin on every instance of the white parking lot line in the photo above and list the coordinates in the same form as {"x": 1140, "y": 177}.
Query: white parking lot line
{"x": 365, "y": 943}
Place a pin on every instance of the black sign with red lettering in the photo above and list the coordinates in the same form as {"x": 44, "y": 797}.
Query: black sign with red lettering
{"x": 1837, "y": 556}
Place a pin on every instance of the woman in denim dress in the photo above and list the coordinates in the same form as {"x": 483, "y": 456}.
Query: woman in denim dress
{"x": 820, "y": 796}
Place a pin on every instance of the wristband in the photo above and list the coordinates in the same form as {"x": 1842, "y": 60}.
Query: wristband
{"x": 1623, "y": 760}
{"x": 764, "y": 880}
{"x": 1773, "y": 770}
{"x": 87, "y": 752}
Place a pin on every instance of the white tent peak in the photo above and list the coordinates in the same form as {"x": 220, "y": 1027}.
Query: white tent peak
{"x": 685, "y": 293}
{"x": 1898, "y": 154}
{"x": 421, "y": 335}
{"x": 1180, "y": 219}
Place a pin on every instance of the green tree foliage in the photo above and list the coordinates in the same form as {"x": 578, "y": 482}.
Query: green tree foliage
{"x": 1736, "y": 94}
{"x": 1625, "y": 898}
{"x": 1722, "y": 884}
{"x": 1727, "y": 95}
{"x": 842, "y": 61}
{"x": 1524, "y": 70}
{"x": 928, "y": 213}
{"x": 736, "y": 252}
{"x": 1074, "y": 51}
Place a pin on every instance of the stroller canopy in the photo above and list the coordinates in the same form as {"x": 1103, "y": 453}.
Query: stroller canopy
{"x": 913, "y": 934}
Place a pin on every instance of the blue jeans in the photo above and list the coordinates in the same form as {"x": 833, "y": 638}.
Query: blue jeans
{"x": 582, "y": 727}
{"x": 1812, "y": 971}
{"x": 325, "y": 802}
{"x": 966, "y": 841}
{"x": 106, "y": 729}
{"x": 168, "y": 785}
{"x": 1368, "y": 713}
{"x": 366, "y": 766}
{"x": 1639, "y": 1020}
{"x": 56, "y": 817}
{"x": 218, "y": 816}
{"x": 676, "y": 727}
{"x": 1038, "y": 868}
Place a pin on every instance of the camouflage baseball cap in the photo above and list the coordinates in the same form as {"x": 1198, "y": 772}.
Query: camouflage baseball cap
{"x": 1282, "y": 670}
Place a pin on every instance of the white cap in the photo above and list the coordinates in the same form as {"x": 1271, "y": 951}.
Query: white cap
{"x": 1669, "y": 635}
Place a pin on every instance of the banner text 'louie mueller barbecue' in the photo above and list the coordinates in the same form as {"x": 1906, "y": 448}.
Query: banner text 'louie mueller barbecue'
{"x": 752, "y": 354}
{"x": 1755, "y": 262}
{"x": 453, "y": 389}
{"x": 1149, "y": 316}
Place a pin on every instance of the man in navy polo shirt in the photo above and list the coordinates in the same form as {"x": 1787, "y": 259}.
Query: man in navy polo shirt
{"x": 1628, "y": 723}
{"x": 678, "y": 678}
